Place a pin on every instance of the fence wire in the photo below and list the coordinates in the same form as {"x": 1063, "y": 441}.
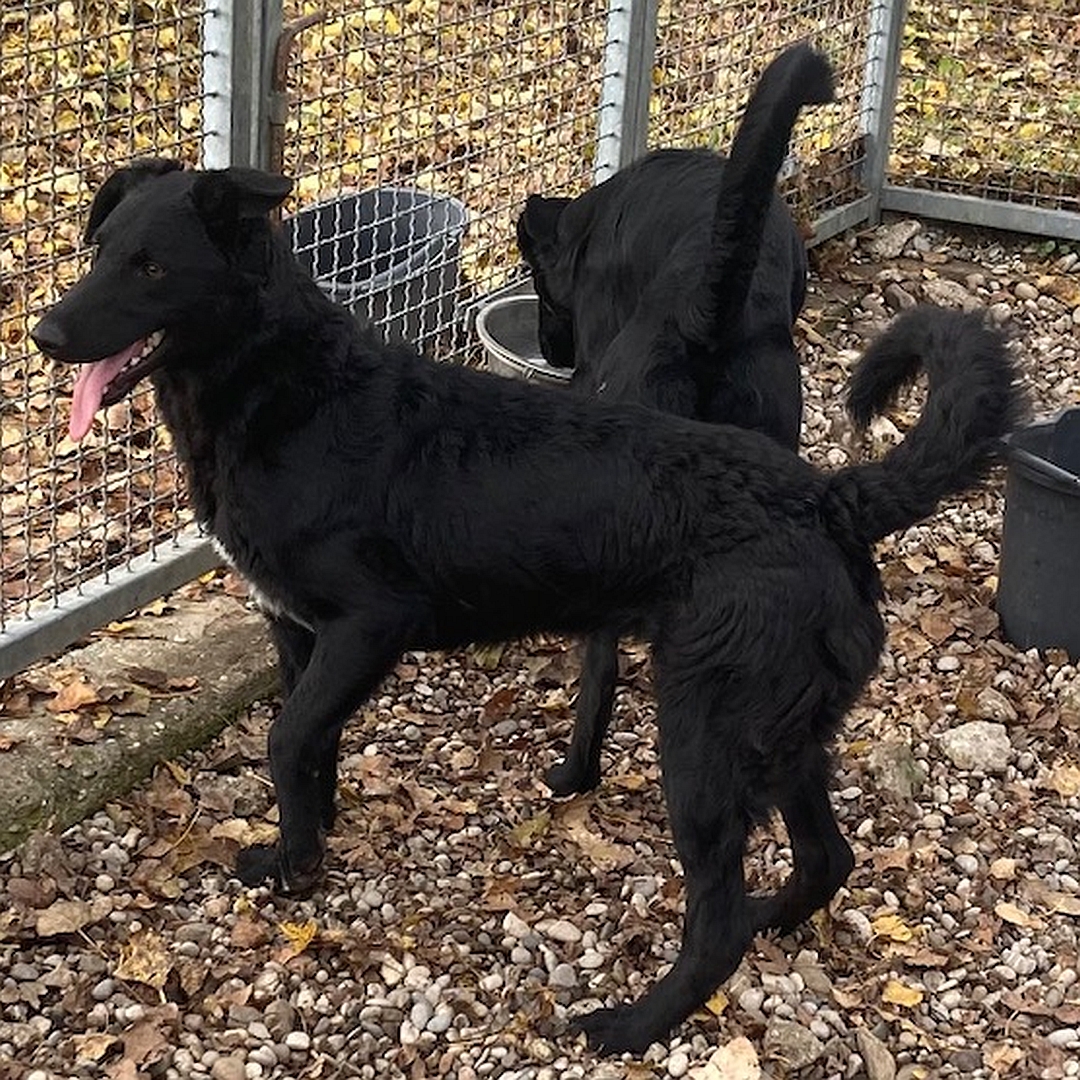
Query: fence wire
{"x": 477, "y": 103}
{"x": 709, "y": 56}
{"x": 989, "y": 102}
{"x": 83, "y": 86}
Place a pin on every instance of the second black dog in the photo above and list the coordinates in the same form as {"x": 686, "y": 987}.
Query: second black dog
{"x": 676, "y": 284}
{"x": 378, "y": 502}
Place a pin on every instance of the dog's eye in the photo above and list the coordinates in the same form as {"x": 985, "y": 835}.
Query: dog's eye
{"x": 152, "y": 270}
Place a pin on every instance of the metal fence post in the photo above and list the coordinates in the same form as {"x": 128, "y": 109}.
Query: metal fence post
{"x": 623, "y": 127}
{"x": 239, "y": 38}
{"x": 881, "y": 74}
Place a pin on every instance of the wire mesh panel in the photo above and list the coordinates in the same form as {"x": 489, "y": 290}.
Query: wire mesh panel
{"x": 413, "y": 119}
{"x": 708, "y": 58}
{"x": 83, "y": 86}
{"x": 989, "y": 103}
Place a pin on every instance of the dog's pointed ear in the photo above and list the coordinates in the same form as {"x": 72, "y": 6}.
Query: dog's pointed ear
{"x": 120, "y": 184}
{"x": 225, "y": 196}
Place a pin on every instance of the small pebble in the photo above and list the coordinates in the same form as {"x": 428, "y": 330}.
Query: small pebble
{"x": 298, "y": 1040}
{"x": 678, "y": 1064}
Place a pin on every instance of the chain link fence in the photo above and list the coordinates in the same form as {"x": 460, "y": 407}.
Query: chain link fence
{"x": 414, "y": 130}
{"x": 82, "y": 86}
{"x": 987, "y": 127}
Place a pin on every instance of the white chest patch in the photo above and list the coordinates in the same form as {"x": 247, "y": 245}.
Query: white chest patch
{"x": 267, "y": 604}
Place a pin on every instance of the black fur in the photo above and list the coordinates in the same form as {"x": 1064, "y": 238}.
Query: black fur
{"x": 378, "y": 501}
{"x": 676, "y": 284}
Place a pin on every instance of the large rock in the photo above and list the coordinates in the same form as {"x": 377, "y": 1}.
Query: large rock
{"x": 978, "y": 746}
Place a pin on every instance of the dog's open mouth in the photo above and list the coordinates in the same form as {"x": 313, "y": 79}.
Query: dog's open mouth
{"x": 106, "y": 381}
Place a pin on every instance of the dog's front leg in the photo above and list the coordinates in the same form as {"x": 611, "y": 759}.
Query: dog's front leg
{"x": 348, "y": 660}
{"x": 294, "y": 644}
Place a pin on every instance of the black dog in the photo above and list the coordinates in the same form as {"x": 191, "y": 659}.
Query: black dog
{"x": 379, "y": 501}
{"x": 676, "y": 284}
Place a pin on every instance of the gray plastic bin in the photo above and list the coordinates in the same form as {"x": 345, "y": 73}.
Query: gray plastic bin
{"x": 1039, "y": 577}
{"x": 390, "y": 255}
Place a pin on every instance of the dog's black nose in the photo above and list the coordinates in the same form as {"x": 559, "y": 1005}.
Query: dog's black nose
{"x": 49, "y": 336}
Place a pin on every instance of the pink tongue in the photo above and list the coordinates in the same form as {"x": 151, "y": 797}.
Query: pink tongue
{"x": 90, "y": 387}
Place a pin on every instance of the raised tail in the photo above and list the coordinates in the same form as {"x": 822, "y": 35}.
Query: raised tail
{"x": 798, "y": 76}
{"x": 973, "y": 400}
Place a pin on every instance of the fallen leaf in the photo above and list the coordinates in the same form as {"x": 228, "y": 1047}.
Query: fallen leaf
{"x": 921, "y": 956}
{"x": 892, "y": 927}
{"x": 1010, "y": 913}
{"x": 92, "y": 1047}
{"x": 299, "y": 935}
{"x": 63, "y": 917}
{"x": 937, "y": 625}
{"x": 498, "y": 705}
{"x": 718, "y": 1003}
{"x": 1000, "y": 1057}
{"x": 375, "y": 772}
{"x": 1003, "y": 869}
{"x": 736, "y": 1060}
{"x": 898, "y": 993}
{"x": 145, "y": 1043}
{"x": 145, "y": 958}
{"x": 524, "y": 833}
{"x": 893, "y": 858}
{"x": 1064, "y": 779}
{"x": 1058, "y": 903}
{"x": 488, "y": 656}
{"x": 124, "y": 1069}
{"x": 631, "y": 781}
{"x": 73, "y": 696}
{"x": 574, "y": 821}
{"x": 248, "y": 932}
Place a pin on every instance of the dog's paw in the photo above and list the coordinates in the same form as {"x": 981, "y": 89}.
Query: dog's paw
{"x": 613, "y": 1031}
{"x": 257, "y": 864}
{"x": 567, "y": 778}
{"x": 262, "y": 864}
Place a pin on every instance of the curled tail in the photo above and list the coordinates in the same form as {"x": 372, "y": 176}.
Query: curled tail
{"x": 973, "y": 400}
{"x": 798, "y": 76}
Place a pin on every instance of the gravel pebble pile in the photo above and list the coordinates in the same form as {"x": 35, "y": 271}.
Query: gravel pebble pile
{"x": 467, "y": 917}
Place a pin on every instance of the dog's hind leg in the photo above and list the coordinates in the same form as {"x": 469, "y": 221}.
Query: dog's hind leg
{"x": 823, "y": 858}
{"x": 349, "y": 658}
{"x": 579, "y": 771}
{"x": 708, "y": 800}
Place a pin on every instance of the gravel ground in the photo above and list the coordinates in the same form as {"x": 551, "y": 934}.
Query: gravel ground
{"x": 467, "y": 916}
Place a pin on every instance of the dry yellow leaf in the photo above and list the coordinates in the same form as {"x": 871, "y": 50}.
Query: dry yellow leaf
{"x": 299, "y": 935}
{"x": 145, "y": 958}
{"x": 892, "y": 927}
{"x": 717, "y": 1003}
{"x": 898, "y": 993}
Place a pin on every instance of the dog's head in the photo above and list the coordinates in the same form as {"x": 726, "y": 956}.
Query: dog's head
{"x": 175, "y": 251}
{"x": 538, "y": 241}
